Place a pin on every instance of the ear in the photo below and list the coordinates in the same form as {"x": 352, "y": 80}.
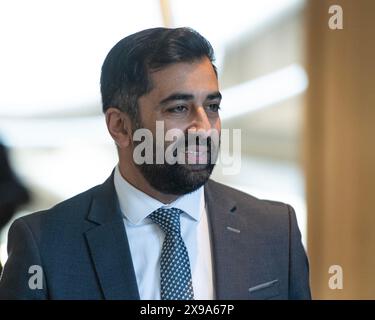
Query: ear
{"x": 119, "y": 126}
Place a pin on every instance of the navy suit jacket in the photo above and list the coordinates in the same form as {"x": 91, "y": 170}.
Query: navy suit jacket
{"x": 82, "y": 247}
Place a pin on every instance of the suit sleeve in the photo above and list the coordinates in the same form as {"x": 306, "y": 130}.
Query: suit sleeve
{"x": 299, "y": 287}
{"x": 23, "y": 276}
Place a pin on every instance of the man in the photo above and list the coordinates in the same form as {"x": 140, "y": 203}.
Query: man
{"x": 159, "y": 230}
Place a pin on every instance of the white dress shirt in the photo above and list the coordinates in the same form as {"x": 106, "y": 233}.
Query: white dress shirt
{"x": 146, "y": 238}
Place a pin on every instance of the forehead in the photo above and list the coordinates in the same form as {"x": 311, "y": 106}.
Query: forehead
{"x": 194, "y": 77}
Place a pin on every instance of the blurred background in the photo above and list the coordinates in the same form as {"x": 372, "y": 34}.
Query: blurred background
{"x": 301, "y": 93}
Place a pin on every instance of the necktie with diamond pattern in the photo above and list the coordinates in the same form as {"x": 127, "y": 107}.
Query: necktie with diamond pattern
{"x": 175, "y": 275}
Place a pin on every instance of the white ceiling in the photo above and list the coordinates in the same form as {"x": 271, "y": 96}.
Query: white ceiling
{"x": 51, "y": 52}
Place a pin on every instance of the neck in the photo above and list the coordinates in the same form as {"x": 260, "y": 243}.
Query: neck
{"x": 136, "y": 179}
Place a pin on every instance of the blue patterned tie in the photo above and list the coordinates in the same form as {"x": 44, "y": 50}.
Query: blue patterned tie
{"x": 175, "y": 274}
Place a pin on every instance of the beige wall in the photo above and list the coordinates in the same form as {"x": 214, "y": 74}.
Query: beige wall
{"x": 340, "y": 149}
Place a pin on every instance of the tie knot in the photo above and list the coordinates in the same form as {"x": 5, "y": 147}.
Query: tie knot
{"x": 168, "y": 219}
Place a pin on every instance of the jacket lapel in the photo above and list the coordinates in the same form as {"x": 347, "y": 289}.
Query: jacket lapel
{"x": 109, "y": 247}
{"x": 240, "y": 256}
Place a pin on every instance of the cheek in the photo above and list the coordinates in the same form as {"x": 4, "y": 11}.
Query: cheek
{"x": 148, "y": 121}
{"x": 216, "y": 124}
{"x": 175, "y": 123}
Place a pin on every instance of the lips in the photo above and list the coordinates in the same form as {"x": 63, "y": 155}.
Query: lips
{"x": 197, "y": 155}
{"x": 196, "y": 149}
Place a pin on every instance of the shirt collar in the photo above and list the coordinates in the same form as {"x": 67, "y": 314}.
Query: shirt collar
{"x": 137, "y": 205}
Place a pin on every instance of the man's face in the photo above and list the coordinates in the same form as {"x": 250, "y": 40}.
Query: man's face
{"x": 185, "y": 96}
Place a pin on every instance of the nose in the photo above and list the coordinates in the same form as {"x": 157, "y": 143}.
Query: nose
{"x": 200, "y": 121}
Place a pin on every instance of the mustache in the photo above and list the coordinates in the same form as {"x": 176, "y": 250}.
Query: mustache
{"x": 196, "y": 141}
{"x": 191, "y": 143}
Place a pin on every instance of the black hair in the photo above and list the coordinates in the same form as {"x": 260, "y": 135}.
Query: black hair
{"x": 126, "y": 69}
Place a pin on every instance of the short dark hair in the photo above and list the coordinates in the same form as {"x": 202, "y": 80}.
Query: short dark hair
{"x": 125, "y": 71}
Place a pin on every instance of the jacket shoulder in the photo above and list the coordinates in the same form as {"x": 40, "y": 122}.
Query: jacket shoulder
{"x": 245, "y": 199}
{"x": 68, "y": 211}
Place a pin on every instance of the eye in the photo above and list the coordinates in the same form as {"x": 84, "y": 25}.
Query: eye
{"x": 214, "y": 107}
{"x": 177, "y": 109}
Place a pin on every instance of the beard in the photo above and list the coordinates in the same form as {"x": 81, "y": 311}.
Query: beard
{"x": 178, "y": 178}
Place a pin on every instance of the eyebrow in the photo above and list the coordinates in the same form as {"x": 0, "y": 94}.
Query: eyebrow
{"x": 187, "y": 96}
{"x": 215, "y": 95}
